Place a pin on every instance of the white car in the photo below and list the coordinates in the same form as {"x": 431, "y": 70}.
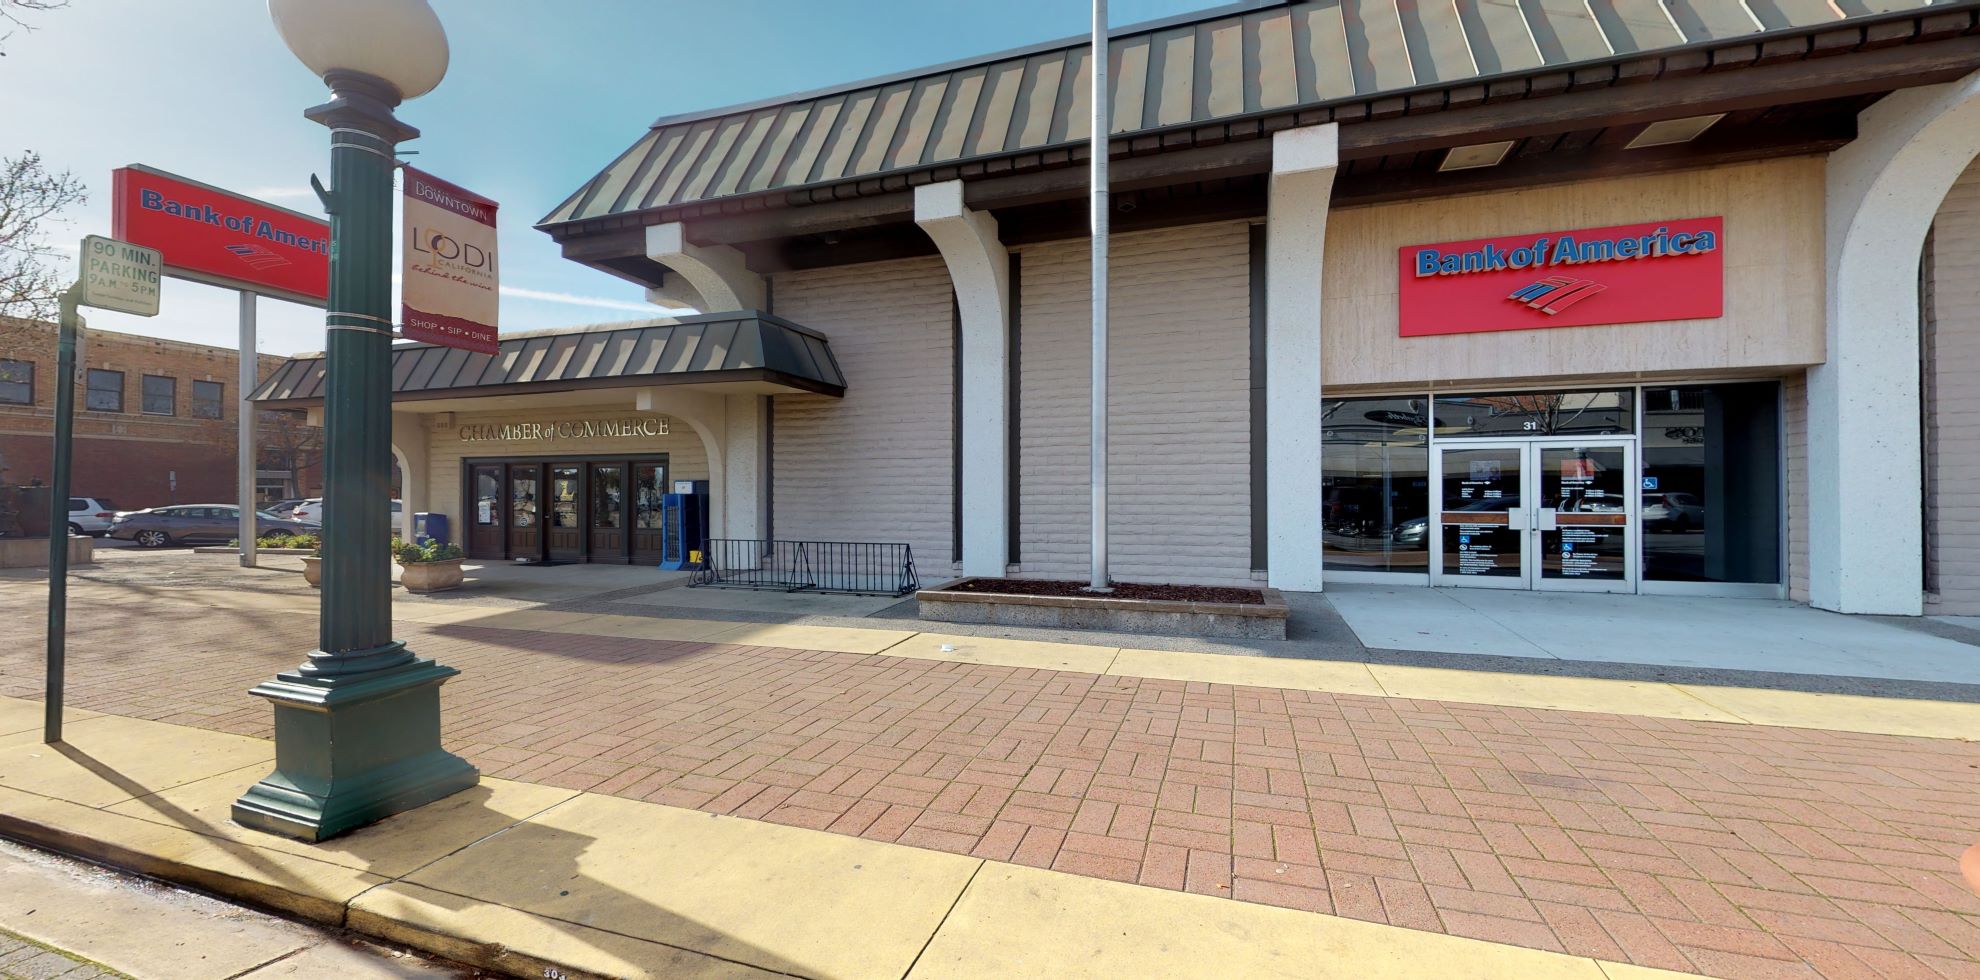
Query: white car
{"x": 90, "y": 516}
{"x": 311, "y": 511}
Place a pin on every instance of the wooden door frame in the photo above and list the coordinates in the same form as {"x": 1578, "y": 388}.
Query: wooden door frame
{"x": 543, "y": 464}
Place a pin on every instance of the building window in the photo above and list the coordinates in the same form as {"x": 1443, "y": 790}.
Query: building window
{"x": 1537, "y": 413}
{"x": 206, "y": 399}
{"x": 160, "y": 395}
{"x": 1375, "y": 485}
{"x": 16, "y": 382}
{"x": 105, "y": 392}
{"x": 1711, "y": 505}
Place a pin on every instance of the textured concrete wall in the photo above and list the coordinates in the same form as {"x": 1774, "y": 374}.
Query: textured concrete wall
{"x": 1794, "y": 422}
{"x": 1952, "y": 419}
{"x": 876, "y": 465}
{"x": 1179, "y": 386}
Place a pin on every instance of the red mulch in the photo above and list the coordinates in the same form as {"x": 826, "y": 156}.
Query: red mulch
{"x": 1122, "y": 590}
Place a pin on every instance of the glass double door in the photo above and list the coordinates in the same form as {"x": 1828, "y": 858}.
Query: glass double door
{"x": 1535, "y": 514}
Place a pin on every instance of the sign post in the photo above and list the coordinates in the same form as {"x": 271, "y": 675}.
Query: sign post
{"x": 115, "y": 276}
{"x": 245, "y": 472}
{"x": 221, "y": 238}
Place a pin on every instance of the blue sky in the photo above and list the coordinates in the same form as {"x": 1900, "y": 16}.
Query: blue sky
{"x": 539, "y": 96}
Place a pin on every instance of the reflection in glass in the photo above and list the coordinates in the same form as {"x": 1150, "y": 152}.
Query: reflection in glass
{"x": 649, "y": 481}
{"x": 564, "y": 496}
{"x": 1479, "y": 488}
{"x": 1541, "y": 413}
{"x": 522, "y": 500}
{"x": 1711, "y": 489}
{"x": 1375, "y": 484}
{"x": 1584, "y": 485}
{"x": 607, "y": 501}
{"x": 487, "y": 496}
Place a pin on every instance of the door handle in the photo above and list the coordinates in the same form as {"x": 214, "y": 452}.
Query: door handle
{"x": 1519, "y": 519}
{"x": 1548, "y": 519}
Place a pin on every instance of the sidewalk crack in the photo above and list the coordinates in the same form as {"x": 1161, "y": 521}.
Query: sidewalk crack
{"x": 932, "y": 933}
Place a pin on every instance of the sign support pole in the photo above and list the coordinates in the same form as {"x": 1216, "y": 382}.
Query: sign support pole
{"x": 248, "y": 379}
{"x": 1100, "y": 580}
{"x": 58, "y": 513}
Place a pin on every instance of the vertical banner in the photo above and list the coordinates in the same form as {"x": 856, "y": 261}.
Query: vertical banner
{"x": 449, "y": 292}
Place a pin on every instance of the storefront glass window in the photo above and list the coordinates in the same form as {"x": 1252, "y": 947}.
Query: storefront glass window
{"x": 607, "y": 497}
{"x": 487, "y": 496}
{"x": 650, "y": 483}
{"x": 1537, "y": 413}
{"x": 1711, "y": 505}
{"x": 1375, "y": 485}
{"x": 522, "y": 498}
{"x": 564, "y": 496}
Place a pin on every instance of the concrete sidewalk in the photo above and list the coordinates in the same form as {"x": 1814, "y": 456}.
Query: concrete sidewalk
{"x": 528, "y": 879}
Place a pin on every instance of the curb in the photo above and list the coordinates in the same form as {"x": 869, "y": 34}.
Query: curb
{"x": 488, "y": 954}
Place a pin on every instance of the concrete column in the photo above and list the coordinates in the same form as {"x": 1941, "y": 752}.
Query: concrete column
{"x": 745, "y": 466}
{"x": 1302, "y": 185}
{"x": 980, "y": 269}
{"x": 718, "y": 274}
{"x": 1866, "y": 526}
{"x": 410, "y": 446}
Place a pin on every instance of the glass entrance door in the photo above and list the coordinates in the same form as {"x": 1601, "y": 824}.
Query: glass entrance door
{"x": 1535, "y": 514}
{"x": 1481, "y": 516}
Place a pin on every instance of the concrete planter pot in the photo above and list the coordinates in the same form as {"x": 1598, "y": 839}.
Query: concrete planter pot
{"x": 313, "y": 570}
{"x": 1266, "y": 621}
{"x": 431, "y": 576}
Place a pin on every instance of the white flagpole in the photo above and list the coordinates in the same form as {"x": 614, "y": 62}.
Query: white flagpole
{"x": 1102, "y": 122}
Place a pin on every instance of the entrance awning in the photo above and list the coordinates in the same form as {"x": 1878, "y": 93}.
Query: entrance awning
{"x": 743, "y": 351}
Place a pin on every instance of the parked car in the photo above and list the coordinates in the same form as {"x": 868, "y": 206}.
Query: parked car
{"x": 195, "y": 524}
{"x": 284, "y": 509}
{"x": 1672, "y": 512}
{"x": 90, "y": 516}
{"x": 311, "y": 511}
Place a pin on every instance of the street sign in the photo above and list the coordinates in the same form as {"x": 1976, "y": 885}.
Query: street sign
{"x": 120, "y": 276}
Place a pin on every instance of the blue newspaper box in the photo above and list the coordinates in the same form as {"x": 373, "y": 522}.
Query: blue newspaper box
{"x": 428, "y": 525}
{"x": 684, "y": 525}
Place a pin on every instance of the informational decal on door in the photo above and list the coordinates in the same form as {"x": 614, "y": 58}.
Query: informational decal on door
{"x": 1664, "y": 270}
{"x": 449, "y": 295}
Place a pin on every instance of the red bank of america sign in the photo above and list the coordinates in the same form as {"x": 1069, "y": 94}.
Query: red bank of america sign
{"x": 1665, "y": 270}
{"x": 220, "y": 237}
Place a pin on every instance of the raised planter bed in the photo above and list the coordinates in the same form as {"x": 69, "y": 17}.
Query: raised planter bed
{"x": 33, "y": 552}
{"x": 1163, "y": 610}
{"x": 224, "y": 550}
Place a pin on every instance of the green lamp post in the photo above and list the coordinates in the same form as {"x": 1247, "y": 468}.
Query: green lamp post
{"x": 357, "y": 727}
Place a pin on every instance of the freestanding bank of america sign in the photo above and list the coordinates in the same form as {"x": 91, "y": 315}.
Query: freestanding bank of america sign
{"x": 1666, "y": 270}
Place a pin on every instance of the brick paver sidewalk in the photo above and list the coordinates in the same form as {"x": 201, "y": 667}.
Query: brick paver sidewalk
{"x": 1741, "y": 851}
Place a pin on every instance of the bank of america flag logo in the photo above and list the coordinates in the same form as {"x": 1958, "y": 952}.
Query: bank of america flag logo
{"x": 1556, "y": 293}
{"x": 256, "y": 257}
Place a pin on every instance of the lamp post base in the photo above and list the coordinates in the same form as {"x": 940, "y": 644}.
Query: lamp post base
{"x": 353, "y": 750}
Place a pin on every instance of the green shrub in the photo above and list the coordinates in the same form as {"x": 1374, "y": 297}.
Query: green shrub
{"x": 412, "y": 554}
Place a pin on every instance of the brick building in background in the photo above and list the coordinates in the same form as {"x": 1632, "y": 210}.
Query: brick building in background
{"x": 155, "y": 420}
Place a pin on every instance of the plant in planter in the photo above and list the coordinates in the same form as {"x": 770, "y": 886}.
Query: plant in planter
{"x": 313, "y": 566}
{"x": 430, "y": 566}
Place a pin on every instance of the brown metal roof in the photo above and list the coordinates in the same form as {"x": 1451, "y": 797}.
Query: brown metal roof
{"x": 1222, "y": 63}
{"x": 725, "y": 347}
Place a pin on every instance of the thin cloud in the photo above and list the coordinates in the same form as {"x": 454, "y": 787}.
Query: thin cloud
{"x": 572, "y": 299}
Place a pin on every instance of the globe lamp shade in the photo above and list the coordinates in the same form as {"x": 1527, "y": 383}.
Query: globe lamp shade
{"x": 398, "y": 41}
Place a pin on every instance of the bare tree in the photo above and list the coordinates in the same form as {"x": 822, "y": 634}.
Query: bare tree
{"x": 29, "y": 196}
{"x": 289, "y": 442}
{"x": 11, "y": 12}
